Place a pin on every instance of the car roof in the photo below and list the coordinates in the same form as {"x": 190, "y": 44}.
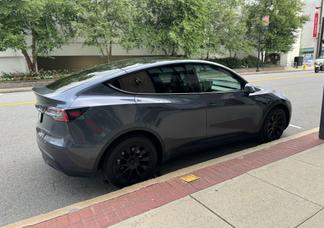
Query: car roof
{"x": 105, "y": 72}
{"x": 136, "y": 64}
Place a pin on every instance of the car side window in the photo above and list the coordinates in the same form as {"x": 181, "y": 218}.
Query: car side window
{"x": 215, "y": 79}
{"x": 174, "y": 79}
{"x": 165, "y": 79}
{"x": 139, "y": 82}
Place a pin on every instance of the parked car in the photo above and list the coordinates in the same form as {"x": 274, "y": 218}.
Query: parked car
{"x": 128, "y": 117}
{"x": 319, "y": 64}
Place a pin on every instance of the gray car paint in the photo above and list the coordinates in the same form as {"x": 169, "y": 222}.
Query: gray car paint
{"x": 177, "y": 121}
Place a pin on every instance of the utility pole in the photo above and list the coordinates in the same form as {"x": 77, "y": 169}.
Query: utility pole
{"x": 319, "y": 45}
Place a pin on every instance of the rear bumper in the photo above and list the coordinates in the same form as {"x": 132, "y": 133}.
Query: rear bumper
{"x": 61, "y": 159}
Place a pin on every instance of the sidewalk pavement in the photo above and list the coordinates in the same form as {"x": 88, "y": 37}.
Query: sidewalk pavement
{"x": 280, "y": 184}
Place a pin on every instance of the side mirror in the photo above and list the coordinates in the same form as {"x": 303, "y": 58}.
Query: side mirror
{"x": 248, "y": 89}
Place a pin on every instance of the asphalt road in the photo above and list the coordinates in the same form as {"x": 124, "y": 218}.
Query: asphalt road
{"x": 29, "y": 187}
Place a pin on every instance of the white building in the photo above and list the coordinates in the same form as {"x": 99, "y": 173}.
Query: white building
{"x": 307, "y": 41}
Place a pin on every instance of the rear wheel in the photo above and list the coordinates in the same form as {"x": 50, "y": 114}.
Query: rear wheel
{"x": 274, "y": 125}
{"x": 130, "y": 160}
{"x": 317, "y": 70}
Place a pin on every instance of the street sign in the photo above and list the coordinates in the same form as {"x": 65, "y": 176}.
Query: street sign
{"x": 266, "y": 20}
{"x": 316, "y": 17}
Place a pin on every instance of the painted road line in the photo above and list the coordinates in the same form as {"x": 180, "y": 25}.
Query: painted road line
{"x": 286, "y": 77}
{"x": 17, "y": 103}
{"x": 295, "y": 126}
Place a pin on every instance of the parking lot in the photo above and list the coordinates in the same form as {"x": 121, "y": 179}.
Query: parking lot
{"x": 29, "y": 187}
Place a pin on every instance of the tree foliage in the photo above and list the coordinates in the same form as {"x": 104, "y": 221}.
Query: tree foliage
{"x": 175, "y": 27}
{"x": 225, "y": 27}
{"x": 285, "y": 20}
{"x": 37, "y": 25}
{"x": 105, "y": 22}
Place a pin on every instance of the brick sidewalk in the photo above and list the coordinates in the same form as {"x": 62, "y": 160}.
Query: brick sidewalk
{"x": 129, "y": 205}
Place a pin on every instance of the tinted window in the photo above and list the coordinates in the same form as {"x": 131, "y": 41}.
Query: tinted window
{"x": 166, "y": 79}
{"x": 138, "y": 83}
{"x": 174, "y": 79}
{"x": 215, "y": 79}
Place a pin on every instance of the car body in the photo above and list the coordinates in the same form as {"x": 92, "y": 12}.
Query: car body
{"x": 319, "y": 64}
{"x": 81, "y": 117}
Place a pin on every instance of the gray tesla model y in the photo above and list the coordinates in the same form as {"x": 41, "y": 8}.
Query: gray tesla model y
{"x": 128, "y": 117}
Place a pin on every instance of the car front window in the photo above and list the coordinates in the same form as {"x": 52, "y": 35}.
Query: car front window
{"x": 213, "y": 79}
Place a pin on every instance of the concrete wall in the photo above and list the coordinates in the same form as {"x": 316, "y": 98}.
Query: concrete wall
{"x": 11, "y": 61}
{"x": 71, "y": 56}
{"x": 287, "y": 60}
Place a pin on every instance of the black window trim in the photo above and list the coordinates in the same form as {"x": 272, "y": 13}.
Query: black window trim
{"x": 242, "y": 81}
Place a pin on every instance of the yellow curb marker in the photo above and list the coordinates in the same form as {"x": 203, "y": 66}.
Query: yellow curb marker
{"x": 17, "y": 103}
{"x": 190, "y": 178}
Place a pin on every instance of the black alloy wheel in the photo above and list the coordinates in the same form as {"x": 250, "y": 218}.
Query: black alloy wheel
{"x": 131, "y": 160}
{"x": 274, "y": 125}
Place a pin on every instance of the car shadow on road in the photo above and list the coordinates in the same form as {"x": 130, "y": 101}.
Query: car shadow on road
{"x": 194, "y": 158}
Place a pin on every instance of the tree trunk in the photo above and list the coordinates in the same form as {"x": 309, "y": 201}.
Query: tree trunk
{"x": 34, "y": 52}
{"x": 109, "y": 52}
{"x": 28, "y": 60}
{"x": 207, "y": 56}
{"x": 173, "y": 52}
{"x": 262, "y": 56}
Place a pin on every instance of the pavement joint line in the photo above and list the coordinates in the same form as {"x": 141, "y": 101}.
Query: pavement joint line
{"x": 83, "y": 204}
{"x": 213, "y": 212}
{"x": 295, "y": 126}
{"x": 307, "y": 163}
{"x": 278, "y": 187}
{"x": 310, "y": 217}
{"x": 17, "y": 104}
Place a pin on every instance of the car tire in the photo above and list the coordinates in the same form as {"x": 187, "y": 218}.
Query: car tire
{"x": 130, "y": 160}
{"x": 274, "y": 125}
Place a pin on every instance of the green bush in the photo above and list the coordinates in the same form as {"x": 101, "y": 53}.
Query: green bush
{"x": 235, "y": 63}
{"x": 41, "y": 75}
{"x": 251, "y": 61}
{"x": 230, "y": 62}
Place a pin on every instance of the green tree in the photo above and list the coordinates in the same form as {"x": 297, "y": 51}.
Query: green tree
{"x": 285, "y": 18}
{"x": 173, "y": 26}
{"x": 39, "y": 26}
{"x": 105, "y": 22}
{"x": 225, "y": 29}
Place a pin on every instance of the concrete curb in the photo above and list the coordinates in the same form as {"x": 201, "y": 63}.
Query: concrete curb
{"x": 181, "y": 172}
{"x": 272, "y": 72}
{"x": 15, "y": 90}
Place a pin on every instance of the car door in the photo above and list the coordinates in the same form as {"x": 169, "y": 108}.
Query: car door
{"x": 229, "y": 110}
{"x": 168, "y": 102}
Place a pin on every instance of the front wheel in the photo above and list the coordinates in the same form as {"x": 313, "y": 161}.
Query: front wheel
{"x": 317, "y": 70}
{"x": 130, "y": 161}
{"x": 274, "y": 125}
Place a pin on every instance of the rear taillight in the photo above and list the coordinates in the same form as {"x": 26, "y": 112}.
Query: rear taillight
{"x": 57, "y": 114}
{"x": 64, "y": 115}
{"x": 75, "y": 113}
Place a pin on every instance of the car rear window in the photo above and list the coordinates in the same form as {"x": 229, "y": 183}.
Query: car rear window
{"x": 83, "y": 76}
